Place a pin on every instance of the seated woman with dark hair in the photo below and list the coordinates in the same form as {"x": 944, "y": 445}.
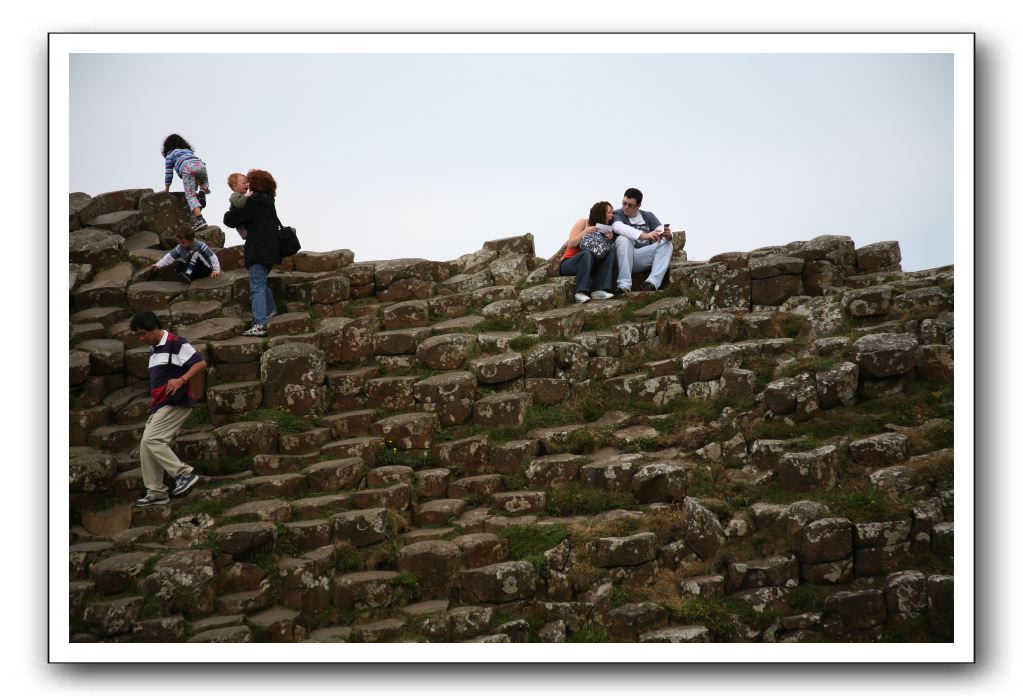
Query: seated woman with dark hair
{"x": 262, "y": 249}
{"x": 593, "y": 271}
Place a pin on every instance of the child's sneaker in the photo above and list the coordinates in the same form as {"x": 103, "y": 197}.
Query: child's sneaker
{"x": 601, "y": 295}
{"x": 271, "y": 313}
{"x": 581, "y": 297}
{"x": 200, "y": 223}
{"x": 201, "y": 197}
{"x": 185, "y": 277}
{"x": 256, "y": 330}
{"x": 150, "y": 499}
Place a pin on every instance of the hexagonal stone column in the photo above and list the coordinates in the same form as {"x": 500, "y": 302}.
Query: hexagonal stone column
{"x": 191, "y": 572}
{"x": 399, "y": 341}
{"x": 335, "y": 474}
{"x": 827, "y": 539}
{"x": 612, "y": 552}
{"x": 444, "y": 352}
{"x": 660, "y": 482}
{"x": 433, "y": 563}
{"x": 234, "y": 397}
{"x": 153, "y": 294}
{"x": 565, "y": 322}
{"x": 805, "y": 470}
{"x": 868, "y": 302}
{"x": 505, "y": 410}
{"x": 362, "y": 527}
{"x": 854, "y": 615}
{"x": 497, "y": 368}
{"x": 390, "y": 393}
{"x": 879, "y": 256}
{"x": 499, "y": 582}
{"x": 106, "y": 355}
{"x": 876, "y": 451}
{"x": 703, "y": 533}
{"x": 449, "y": 396}
{"x": 885, "y": 354}
{"x": 408, "y": 431}
{"x": 704, "y": 364}
{"x": 364, "y": 590}
{"x": 244, "y": 439}
{"x": 238, "y": 538}
{"x": 403, "y": 315}
{"x": 837, "y": 386}
{"x": 293, "y": 376}
{"x": 107, "y": 288}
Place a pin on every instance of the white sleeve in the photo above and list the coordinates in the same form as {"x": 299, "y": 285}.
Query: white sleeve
{"x": 167, "y": 260}
{"x": 625, "y": 230}
{"x": 211, "y": 256}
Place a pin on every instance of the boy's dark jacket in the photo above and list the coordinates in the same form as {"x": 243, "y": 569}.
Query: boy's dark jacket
{"x": 259, "y": 217}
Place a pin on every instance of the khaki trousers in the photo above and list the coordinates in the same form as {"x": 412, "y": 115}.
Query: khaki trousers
{"x": 154, "y": 449}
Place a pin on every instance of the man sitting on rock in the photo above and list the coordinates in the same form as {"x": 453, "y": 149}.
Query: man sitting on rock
{"x": 172, "y": 363}
{"x": 641, "y": 243}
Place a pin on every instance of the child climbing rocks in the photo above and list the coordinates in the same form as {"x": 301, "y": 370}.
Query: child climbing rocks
{"x": 179, "y": 157}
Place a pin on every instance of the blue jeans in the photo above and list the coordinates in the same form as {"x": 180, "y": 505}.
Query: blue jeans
{"x": 588, "y": 272}
{"x": 262, "y": 296}
{"x": 633, "y": 259}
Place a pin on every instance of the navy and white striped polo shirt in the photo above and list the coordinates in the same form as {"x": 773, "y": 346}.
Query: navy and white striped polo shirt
{"x": 170, "y": 359}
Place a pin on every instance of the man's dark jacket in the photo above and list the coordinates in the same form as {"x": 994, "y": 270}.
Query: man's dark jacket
{"x": 259, "y": 218}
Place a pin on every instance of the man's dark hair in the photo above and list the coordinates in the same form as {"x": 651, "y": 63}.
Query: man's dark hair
{"x": 598, "y": 213}
{"x": 634, "y": 193}
{"x": 146, "y": 321}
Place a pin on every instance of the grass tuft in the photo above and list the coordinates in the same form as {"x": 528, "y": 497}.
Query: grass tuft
{"x": 529, "y": 541}
{"x": 287, "y": 422}
{"x": 577, "y": 499}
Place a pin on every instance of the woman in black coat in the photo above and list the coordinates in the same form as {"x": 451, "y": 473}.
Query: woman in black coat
{"x": 262, "y": 249}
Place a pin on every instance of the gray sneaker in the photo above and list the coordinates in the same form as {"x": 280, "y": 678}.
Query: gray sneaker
{"x": 150, "y": 499}
{"x": 184, "y": 483}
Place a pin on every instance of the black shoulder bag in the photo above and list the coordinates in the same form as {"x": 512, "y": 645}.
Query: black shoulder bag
{"x": 287, "y": 239}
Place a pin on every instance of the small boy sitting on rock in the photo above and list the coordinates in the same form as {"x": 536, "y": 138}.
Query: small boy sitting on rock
{"x": 192, "y": 258}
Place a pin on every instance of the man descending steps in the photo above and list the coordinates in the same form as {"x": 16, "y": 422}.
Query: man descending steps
{"x": 172, "y": 363}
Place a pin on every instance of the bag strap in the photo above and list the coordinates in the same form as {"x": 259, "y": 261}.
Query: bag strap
{"x": 280, "y": 225}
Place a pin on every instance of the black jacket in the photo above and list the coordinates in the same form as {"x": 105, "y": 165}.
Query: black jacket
{"x": 259, "y": 218}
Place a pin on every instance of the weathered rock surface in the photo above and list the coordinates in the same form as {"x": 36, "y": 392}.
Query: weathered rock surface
{"x": 455, "y": 451}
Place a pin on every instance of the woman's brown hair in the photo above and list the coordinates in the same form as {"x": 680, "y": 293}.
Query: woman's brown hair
{"x": 262, "y": 181}
{"x": 598, "y": 213}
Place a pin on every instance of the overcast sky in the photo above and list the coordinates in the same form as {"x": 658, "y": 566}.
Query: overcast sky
{"x": 427, "y": 155}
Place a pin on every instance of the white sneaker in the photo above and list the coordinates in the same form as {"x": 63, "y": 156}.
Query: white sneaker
{"x": 581, "y": 297}
{"x": 601, "y": 295}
